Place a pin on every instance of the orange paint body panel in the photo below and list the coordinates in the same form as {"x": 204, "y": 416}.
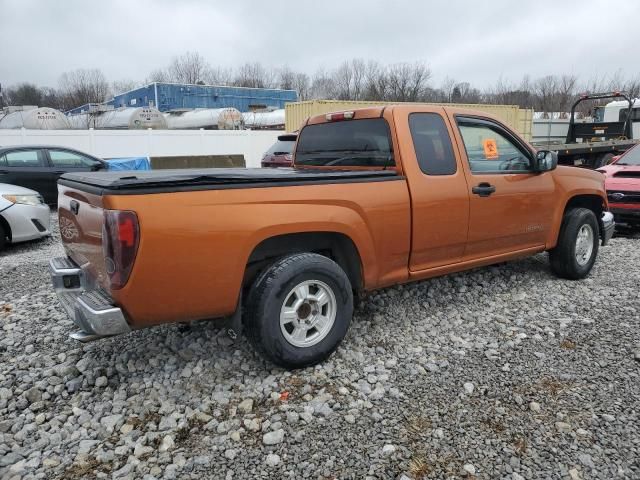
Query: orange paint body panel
{"x": 194, "y": 245}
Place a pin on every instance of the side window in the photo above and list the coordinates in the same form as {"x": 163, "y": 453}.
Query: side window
{"x": 24, "y": 158}
{"x": 635, "y": 114}
{"x": 3, "y": 161}
{"x": 432, "y": 144}
{"x": 64, "y": 158}
{"x": 491, "y": 151}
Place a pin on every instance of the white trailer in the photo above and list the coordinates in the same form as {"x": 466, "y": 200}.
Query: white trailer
{"x": 206, "y": 118}
{"x": 120, "y": 118}
{"x": 272, "y": 120}
{"x": 34, "y": 118}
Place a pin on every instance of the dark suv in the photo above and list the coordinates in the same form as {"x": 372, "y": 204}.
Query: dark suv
{"x": 279, "y": 155}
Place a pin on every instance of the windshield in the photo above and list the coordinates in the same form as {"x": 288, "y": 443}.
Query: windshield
{"x": 349, "y": 143}
{"x": 281, "y": 148}
{"x": 632, "y": 157}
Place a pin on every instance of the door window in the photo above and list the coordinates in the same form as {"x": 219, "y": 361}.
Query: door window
{"x": 432, "y": 144}
{"x": 24, "y": 159}
{"x": 67, "y": 159}
{"x": 490, "y": 150}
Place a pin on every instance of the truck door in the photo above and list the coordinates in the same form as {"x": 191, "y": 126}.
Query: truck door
{"x": 510, "y": 205}
{"x": 438, "y": 189}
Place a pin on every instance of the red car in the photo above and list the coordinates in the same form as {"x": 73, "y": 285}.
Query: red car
{"x": 623, "y": 187}
{"x": 279, "y": 155}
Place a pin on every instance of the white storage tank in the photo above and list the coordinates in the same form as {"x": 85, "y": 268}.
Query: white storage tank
{"x": 35, "y": 118}
{"x": 206, "y": 118}
{"x": 273, "y": 120}
{"x": 120, "y": 118}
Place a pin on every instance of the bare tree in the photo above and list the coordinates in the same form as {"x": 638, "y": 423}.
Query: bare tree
{"x": 463, "y": 92}
{"x": 83, "y": 86}
{"x": 376, "y": 82}
{"x": 448, "y": 84}
{"x": 159, "y": 75}
{"x": 219, "y": 76}
{"x": 322, "y": 86}
{"x": 121, "y": 86}
{"x": 407, "y": 82}
{"x": 350, "y": 80}
{"x": 24, "y": 94}
{"x": 286, "y": 78}
{"x": 254, "y": 75}
{"x": 190, "y": 67}
{"x": 302, "y": 85}
{"x": 343, "y": 82}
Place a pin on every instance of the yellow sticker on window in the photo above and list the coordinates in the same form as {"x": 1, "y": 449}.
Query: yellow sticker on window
{"x": 490, "y": 148}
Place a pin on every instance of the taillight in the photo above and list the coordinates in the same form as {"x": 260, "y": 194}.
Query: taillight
{"x": 120, "y": 238}
{"x": 336, "y": 117}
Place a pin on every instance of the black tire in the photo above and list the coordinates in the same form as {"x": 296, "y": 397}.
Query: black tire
{"x": 563, "y": 257}
{"x": 3, "y": 238}
{"x": 267, "y": 297}
{"x": 604, "y": 160}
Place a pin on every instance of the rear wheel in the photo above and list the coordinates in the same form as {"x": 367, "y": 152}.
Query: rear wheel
{"x": 299, "y": 310}
{"x": 578, "y": 242}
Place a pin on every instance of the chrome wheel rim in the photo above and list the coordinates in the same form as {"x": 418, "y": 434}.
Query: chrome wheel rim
{"x": 308, "y": 313}
{"x": 584, "y": 244}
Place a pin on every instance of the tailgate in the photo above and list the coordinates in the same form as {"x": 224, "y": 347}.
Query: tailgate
{"x": 81, "y": 218}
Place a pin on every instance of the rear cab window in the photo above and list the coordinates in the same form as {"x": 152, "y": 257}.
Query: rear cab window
{"x": 348, "y": 143}
{"x": 432, "y": 144}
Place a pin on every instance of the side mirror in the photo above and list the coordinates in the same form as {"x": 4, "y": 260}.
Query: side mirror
{"x": 546, "y": 161}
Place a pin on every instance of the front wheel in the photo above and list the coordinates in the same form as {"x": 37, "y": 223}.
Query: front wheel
{"x": 578, "y": 242}
{"x": 299, "y": 310}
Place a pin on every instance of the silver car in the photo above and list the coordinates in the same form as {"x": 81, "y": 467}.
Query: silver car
{"x": 23, "y": 215}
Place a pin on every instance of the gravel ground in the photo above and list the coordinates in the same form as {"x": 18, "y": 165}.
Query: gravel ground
{"x": 502, "y": 373}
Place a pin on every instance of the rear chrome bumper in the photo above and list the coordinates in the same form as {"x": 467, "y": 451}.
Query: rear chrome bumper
{"x": 90, "y": 309}
{"x": 608, "y": 226}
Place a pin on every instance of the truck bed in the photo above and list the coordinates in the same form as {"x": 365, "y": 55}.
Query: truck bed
{"x": 162, "y": 181}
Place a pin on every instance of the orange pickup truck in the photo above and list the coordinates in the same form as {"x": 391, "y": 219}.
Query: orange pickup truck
{"x": 377, "y": 197}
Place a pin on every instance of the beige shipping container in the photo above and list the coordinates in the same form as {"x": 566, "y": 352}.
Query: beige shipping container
{"x": 519, "y": 119}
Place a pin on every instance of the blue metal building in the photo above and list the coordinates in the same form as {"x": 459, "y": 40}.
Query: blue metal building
{"x": 172, "y": 96}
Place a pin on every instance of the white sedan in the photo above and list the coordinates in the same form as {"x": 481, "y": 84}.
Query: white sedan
{"x": 23, "y": 215}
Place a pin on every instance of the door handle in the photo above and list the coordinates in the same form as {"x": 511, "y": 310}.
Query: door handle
{"x": 484, "y": 189}
{"x": 59, "y": 172}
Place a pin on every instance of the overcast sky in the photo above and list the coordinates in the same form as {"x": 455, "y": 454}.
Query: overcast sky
{"x": 467, "y": 40}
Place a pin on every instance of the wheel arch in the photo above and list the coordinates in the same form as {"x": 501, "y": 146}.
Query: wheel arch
{"x": 335, "y": 245}
{"x": 6, "y": 227}
{"x": 589, "y": 200}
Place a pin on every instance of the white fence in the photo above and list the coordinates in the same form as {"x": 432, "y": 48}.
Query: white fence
{"x": 150, "y": 143}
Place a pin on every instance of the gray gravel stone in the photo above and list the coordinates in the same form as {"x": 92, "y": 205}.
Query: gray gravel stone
{"x": 273, "y": 438}
{"x": 397, "y": 379}
{"x": 272, "y": 460}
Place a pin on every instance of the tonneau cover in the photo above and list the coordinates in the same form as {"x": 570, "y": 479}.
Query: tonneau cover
{"x": 120, "y": 180}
